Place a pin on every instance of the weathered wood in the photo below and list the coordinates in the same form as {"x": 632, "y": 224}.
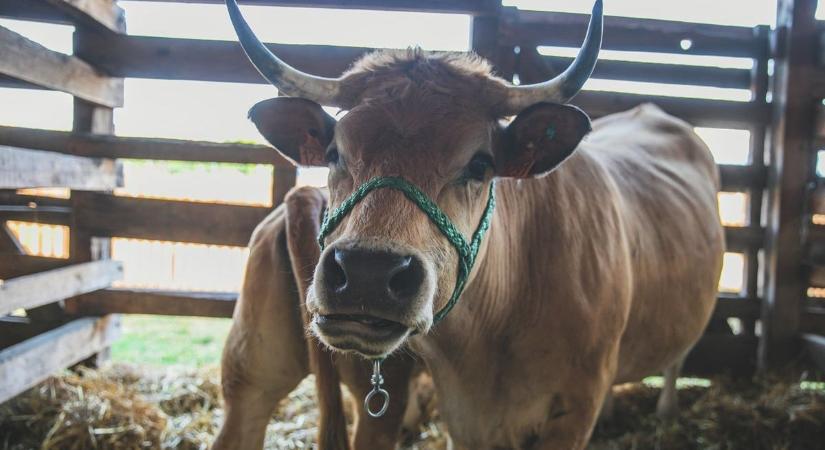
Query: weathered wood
{"x": 102, "y": 146}
{"x": 8, "y": 242}
{"x": 815, "y": 345}
{"x": 633, "y": 34}
{"x": 733, "y": 306}
{"x": 98, "y": 14}
{"x": 699, "y": 112}
{"x": 790, "y": 171}
{"x": 819, "y": 127}
{"x": 21, "y": 168}
{"x": 444, "y": 6}
{"x": 31, "y": 10}
{"x": 31, "y": 62}
{"x": 738, "y": 178}
{"x": 33, "y": 208}
{"x": 32, "y": 361}
{"x": 110, "y": 216}
{"x": 659, "y": 73}
{"x": 283, "y": 180}
{"x": 817, "y": 277}
{"x": 205, "y": 60}
{"x": 165, "y": 303}
{"x": 58, "y": 284}
{"x": 722, "y": 354}
{"x": 13, "y": 266}
{"x": 739, "y": 239}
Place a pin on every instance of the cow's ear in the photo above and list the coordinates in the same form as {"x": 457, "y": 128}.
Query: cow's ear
{"x": 539, "y": 139}
{"x": 298, "y": 128}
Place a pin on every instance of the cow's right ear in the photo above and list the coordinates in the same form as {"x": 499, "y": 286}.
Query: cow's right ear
{"x": 298, "y": 128}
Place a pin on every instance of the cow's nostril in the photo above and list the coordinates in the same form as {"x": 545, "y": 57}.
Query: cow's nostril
{"x": 406, "y": 278}
{"x": 336, "y": 278}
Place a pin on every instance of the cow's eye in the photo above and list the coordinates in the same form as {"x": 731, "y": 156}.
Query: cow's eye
{"x": 332, "y": 155}
{"x": 478, "y": 166}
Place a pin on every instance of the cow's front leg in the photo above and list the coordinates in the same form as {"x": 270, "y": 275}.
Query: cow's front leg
{"x": 265, "y": 355}
{"x": 571, "y": 419}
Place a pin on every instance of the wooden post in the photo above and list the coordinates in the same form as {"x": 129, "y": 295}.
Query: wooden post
{"x": 789, "y": 171}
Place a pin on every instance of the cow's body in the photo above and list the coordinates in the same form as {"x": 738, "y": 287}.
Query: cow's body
{"x": 603, "y": 271}
{"x": 612, "y": 263}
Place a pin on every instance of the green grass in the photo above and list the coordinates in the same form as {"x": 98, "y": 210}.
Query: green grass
{"x": 167, "y": 341}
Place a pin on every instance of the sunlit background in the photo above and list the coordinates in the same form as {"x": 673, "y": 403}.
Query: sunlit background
{"x": 217, "y": 112}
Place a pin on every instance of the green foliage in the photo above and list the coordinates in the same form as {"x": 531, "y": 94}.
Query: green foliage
{"x": 163, "y": 341}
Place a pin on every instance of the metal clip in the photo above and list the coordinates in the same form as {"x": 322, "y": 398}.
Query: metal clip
{"x": 377, "y": 380}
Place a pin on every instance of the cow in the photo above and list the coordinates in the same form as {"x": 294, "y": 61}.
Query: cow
{"x": 528, "y": 257}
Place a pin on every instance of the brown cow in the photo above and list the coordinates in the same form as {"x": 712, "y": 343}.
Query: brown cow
{"x": 600, "y": 266}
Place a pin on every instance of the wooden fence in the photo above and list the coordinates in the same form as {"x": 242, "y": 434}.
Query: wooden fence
{"x": 70, "y": 302}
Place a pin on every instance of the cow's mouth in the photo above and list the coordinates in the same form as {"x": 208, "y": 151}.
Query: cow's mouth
{"x": 362, "y": 333}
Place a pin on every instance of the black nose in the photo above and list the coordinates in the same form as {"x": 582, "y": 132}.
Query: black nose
{"x": 368, "y": 278}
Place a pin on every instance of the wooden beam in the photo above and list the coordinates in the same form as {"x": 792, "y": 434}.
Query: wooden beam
{"x": 24, "y": 365}
{"x": 734, "y": 306}
{"x": 813, "y": 320}
{"x": 21, "y": 168}
{"x": 790, "y": 171}
{"x": 659, "y": 73}
{"x": 98, "y": 14}
{"x": 699, "y": 112}
{"x": 31, "y": 62}
{"x": 205, "y": 60}
{"x": 738, "y": 178}
{"x": 8, "y": 242}
{"x": 143, "y": 301}
{"x": 442, "y": 6}
{"x": 13, "y": 266}
{"x": 54, "y": 285}
{"x": 740, "y": 239}
{"x": 104, "y": 146}
{"x": 111, "y": 216}
{"x": 631, "y": 34}
{"x": 31, "y": 10}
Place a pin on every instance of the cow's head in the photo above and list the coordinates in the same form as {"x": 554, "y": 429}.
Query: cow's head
{"x": 434, "y": 120}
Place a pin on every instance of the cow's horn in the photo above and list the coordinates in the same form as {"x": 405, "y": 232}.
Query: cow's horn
{"x": 565, "y": 86}
{"x": 287, "y": 79}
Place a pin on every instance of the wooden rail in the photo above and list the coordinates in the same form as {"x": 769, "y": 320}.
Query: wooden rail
{"x": 39, "y": 289}
{"x": 32, "y": 361}
{"x": 30, "y": 62}
{"x": 100, "y": 146}
{"x": 20, "y": 168}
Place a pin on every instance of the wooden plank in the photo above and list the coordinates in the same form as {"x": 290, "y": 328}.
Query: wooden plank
{"x": 717, "y": 354}
{"x": 659, "y": 73}
{"x": 443, "y": 6}
{"x": 29, "y": 61}
{"x": 143, "y": 301}
{"x": 21, "y": 168}
{"x": 109, "y": 216}
{"x": 741, "y": 178}
{"x": 734, "y": 306}
{"x": 58, "y": 284}
{"x": 819, "y": 127}
{"x": 98, "y": 14}
{"x": 13, "y": 266}
{"x": 104, "y": 146}
{"x": 739, "y": 239}
{"x": 699, "y": 112}
{"x": 205, "y": 60}
{"x": 790, "y": 170}
{"x": 31, "y": 10}
{"x": 631, "y": 34}
{"x": 8, "y": 242}
{"x": 28, "y": 208}
{"x": 815, "y": 345}
{"x": 32, "y": 361}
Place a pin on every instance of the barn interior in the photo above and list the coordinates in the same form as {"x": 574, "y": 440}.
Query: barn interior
{"x": 131, "y": 181}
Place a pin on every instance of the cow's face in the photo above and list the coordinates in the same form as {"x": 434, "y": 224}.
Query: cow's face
{"x": 387, "y": 269}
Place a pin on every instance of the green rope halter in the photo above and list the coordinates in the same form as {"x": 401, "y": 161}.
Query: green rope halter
{"x": 467, "y": 252}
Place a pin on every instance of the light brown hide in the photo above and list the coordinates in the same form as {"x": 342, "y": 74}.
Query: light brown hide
{"x": 268, "y": 352}
{"x": 602, "y": 271}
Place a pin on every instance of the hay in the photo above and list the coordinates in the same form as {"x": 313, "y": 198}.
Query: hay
{"x": 121, "y": 407}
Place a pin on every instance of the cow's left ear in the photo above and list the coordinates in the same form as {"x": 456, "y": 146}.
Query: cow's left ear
{"x": 539, "y": 139}
{"x": 298, "y": 128}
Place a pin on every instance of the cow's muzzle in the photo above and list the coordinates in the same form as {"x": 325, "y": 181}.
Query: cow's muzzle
{"x": 368, "y": 300}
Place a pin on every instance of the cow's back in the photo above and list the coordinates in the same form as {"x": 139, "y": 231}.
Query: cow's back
{"x": 668, "y": 184}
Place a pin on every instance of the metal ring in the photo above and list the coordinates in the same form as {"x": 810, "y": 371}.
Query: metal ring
{"x": 384, "y": 406}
